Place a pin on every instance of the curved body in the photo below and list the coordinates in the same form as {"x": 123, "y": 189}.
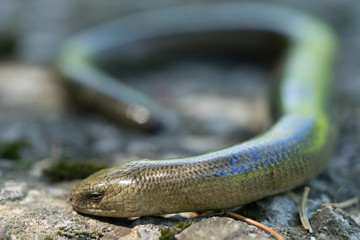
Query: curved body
{"x": 293, "y": 151}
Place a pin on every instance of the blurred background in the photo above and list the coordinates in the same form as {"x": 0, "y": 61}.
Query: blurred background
{"x": 38, "y": 27}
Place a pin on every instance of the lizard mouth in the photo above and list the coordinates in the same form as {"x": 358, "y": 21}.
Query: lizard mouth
{"x": 95, "y": 211}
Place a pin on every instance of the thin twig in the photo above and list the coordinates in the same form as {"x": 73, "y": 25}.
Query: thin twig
{"x": 302, "y": 211}
{"x": 257, "y": 224}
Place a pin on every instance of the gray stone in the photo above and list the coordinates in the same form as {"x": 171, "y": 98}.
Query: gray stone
{"x": 218, "y": 228}
{"x": 147, "y": 232}
{"x": 12, "y": 190}
{"x": 334, "y": 224}
{"x": 281, "y": 210}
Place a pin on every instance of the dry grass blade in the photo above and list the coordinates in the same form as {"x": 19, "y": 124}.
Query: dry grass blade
{"x": 302, "y": 211}
{"x": 336, "y": 194}
{"x": 345, "y": 204}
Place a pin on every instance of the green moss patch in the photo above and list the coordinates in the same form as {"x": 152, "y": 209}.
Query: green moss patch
{"x": 66, "y": 171}
{"x": 7, "y": 46}
{"x": 78, "y": 233}
{"x": 169, "y": 233}
{"x": 12, "y": 150}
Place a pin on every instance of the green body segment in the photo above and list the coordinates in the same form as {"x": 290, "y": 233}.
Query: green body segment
{"x": 293, "y": 151}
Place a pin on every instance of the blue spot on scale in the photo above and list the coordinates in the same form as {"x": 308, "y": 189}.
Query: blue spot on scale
{"x": 218, "y": 174}
{"x": 233, "y": 162}
{"x": 267, "y": 163}
{"x": 248, "y": 170}
{"x": 273, "y": 160}
{"x": 237, "y": 170}
{"x": 255, "y": 155}
{"x": 236, "y": 156}
{"x": 279, "y": 159}
{"x": 224, "y": 173}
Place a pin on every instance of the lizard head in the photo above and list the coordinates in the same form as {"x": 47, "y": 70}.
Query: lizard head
{"x": 104, "y": 193}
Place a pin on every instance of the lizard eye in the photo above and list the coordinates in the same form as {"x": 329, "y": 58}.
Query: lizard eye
{"x": 96, "y": 197}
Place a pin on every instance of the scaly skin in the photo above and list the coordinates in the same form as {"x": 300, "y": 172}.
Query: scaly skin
{"x": 293, "y": 151}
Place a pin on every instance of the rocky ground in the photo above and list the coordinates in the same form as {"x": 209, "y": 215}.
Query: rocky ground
{"x": 39, "y": 128}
